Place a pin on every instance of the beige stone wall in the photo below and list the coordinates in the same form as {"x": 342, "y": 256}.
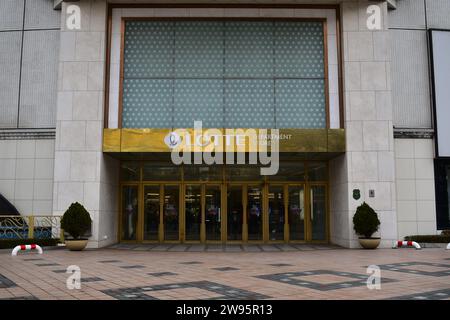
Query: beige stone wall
{"x": 369, "y": 161}
{"x": 82, "y": 172}
{"x": 416, "y": 207}
{"x": 26, "y": 174}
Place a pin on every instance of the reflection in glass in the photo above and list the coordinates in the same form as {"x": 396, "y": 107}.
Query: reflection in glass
{"x": 129, "y": 212}
{"x": 202, "y": 173}
{"x": 235, "y": 213}
{"x": 212, "y": 213}
{"x": 289, "y": 171}
{"x": 193, "y": 207}
{"x": 171, "y": 212}
{"x": 296, "y": 213}
{"x": 243, "y": 173}
{"x": 276, "y": 213}
{"x": 151, "y": 212}
{"x": 130, "y": 171}
{"x": 317, "y": 171}
{"x": 254, "y": 213}
{"x": 154, "y": 172}
{"x": 318, "y": 212}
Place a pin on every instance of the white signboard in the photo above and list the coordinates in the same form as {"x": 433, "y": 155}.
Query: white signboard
{"x": 441, "y": 66}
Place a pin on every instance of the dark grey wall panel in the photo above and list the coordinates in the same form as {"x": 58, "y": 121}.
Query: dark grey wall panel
{"x": 410, "y": 79}
{"x": 409, "y": 14}
{"x": 39, "y": 79}
{"x": 11, "y": 14}
{"x": 10, "y": 43}
{"x": 438, "y": 14}
{"x": 39, "y": 14}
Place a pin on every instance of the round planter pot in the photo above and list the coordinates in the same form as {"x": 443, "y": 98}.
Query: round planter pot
{"x": 371, "y": 243}
{"x": 76, "y": 245}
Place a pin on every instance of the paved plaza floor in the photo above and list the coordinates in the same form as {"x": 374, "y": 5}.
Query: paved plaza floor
{"x": 227, "y": 272}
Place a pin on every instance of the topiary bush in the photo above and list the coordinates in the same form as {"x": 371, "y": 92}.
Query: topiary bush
{"x": 365, "y": 221}
{"x": 76, "y": 220}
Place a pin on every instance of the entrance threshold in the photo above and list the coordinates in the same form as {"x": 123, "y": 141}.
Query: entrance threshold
{"x": 223, "y": 248}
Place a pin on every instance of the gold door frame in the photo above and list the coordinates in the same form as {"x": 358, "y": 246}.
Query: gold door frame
{"x": 203, "y": 186}
{"x": 202, "y": 211}
{"x": 287, "y": 234}
{"x": 223, "y": 185}
{"x": 120, "y": 215}
{"x": 141, "y": 216}
{"x": 285, "y": 213}
{"x": 309, "y": 211}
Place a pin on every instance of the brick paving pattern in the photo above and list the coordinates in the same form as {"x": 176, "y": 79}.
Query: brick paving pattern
{"x": 226, "y": 272}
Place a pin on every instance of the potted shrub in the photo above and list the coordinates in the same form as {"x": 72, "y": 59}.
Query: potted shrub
{"x": 76, "y": 221}
{"x": 365, "y": 224}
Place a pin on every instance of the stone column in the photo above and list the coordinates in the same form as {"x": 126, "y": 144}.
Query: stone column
{"x": 82, "y": 172}
{"x": 369, "y": 161}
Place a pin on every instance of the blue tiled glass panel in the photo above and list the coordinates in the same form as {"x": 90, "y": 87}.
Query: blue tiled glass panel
{"x": 249, "y": 49}
{"x": 147, "y": 103}
{"x": 199, "y": 49}
{"x": 299, "y": 50}
{"x": 148, "y": 49}
{"x": 198, "y": 100}
{"x": 249, "y": 104}
{"x": 223, "y": 73}
{"x": 300, "y": 104}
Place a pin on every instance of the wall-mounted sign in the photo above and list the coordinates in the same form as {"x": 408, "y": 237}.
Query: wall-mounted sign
{"x": 440, "y": 45}
{"x": 236, "y": 140}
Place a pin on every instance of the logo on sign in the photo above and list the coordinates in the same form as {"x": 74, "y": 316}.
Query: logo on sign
{"x": 172, "y": 140}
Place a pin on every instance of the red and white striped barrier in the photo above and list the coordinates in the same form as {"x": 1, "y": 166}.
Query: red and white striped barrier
{"x": 400, "y": 244}
{"x": 23, "y": 247}
{"x": 448, "y": 246}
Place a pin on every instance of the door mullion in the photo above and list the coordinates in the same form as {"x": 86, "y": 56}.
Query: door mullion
{"x": 286, "y": 212}
{"x": 161, "y": 213}
{"x": 265, "y": 212}
{"x": 140, "y": 220}
{"x": 308, "y": 235}
{"x": 203, "y": 213}
{"x": 244, "y": 213}
{"x": 223, "y": 214}
{"x": 181, "y": 216}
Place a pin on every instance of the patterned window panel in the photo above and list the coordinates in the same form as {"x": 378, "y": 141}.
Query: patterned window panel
{"x": 148, "y": 49}
{"x": 236, "y": 74}
{"x": 299, "y": 50}
{"x": 300, "y": 104}
{"x": 147, "y": 103}
{"x": 199, "y": 49}
{"x": 198, "y": 99}
{"x": 249, "y": 104}
{"x": 249, "y": 49}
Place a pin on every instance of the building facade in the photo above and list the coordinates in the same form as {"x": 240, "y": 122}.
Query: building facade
{"x": 351, "y": 92}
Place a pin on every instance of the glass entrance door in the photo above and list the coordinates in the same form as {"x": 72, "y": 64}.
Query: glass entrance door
{"x": 230, "y": 209}
{"x": 129, "y": 212}
{"x": 152, "y": 210}
{"x": 296, "y": 212}
{"x": 255, "y": 212}
{"x": 171, "y": 212}
{"x": 193, "y": 212}
{"x": 276, "y": 213}
{"x": 318, "y": 209}
{"x": 213, "y": 213}
{"x": 235, "y": 213}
